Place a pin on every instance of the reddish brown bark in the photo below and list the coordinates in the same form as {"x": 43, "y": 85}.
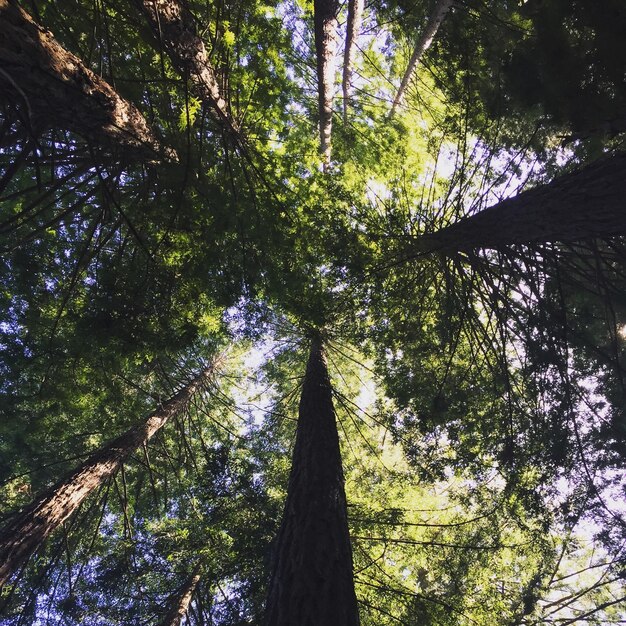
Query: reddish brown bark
{"x": 57, "y": 90}
{"x": 587, "y": 203}
{"x": 175, "y": 28}
{"x": 312, "y": 581}
{"x": 180, "y": 604}
{"x": 29, "y": 528}
{"x": 325, "y": 22}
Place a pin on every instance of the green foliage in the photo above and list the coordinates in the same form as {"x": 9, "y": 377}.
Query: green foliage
{"x": 479, "y": 394}
{"x": 553, "y": 69}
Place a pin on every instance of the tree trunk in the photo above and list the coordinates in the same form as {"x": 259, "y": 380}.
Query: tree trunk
{"x": 174, "y": 27}
{"x": 28, "y": 529}
{"x": 57, "y": 90}
{"x": 423, "y": 43}
{"x": 325, "y": 19}
{"x": 355, "y": 13}
{"x": 181, "y": 602}
{"x": 587, "y": 203}
{"x": 312, "y": 582}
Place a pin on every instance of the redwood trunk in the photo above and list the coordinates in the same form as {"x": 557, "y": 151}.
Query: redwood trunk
{"x": 174, "y": 27}
{"x": 423, "y": 43}
{"x": 57, "y": 90}
{"x": 587, "y": 203}
{"x": 355, "y": 13}
{"x": 28, "y": 530}
{"x": 325, "y": 22}
{"x": 312, "y": 582}
{"x": 180, "y": 605}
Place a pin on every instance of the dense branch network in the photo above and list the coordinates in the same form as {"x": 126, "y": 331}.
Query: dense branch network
{"x": 485, "y": 331}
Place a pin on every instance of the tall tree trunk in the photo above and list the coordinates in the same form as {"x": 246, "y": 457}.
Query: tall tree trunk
{"x": 57, "y": 90}
{"x": 325, "y": 22}
{"x": 423, "y": 43}
{"x": 28, "y": 529}
{"x": 587, "y": 203}
{"x": 355, "y": 14}
{"x": 174, "y": 26}
{"x": 312, "y": 582}
{"x": 180, "y": 604}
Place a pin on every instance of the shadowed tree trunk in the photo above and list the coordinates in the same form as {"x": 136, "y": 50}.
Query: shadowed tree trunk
{"x": 312, "y": 581}
{"x": 58, "y": 91}
{"x": 27, "y": 530}
{"x": 423, "y": 43}
{"x": 589, "y": 202}
{"x": 174, "y": 27}
{"x": 325, "y": 22}
{"x": 180, "y": 603}
{"x": 355, "y": 14}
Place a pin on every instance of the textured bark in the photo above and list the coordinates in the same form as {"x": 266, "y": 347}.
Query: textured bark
{"x": 57, "y": 90}
{"x": 325, "y": 22}
{"x": 355, "y": 15}
{"x": 587, "y": 203}
{"x": 29, "y": 528}
{"x": 423, "y": 43}
{"x": 175, "y": 27}
{"x": 312, "y": 582}
{"x": 180, "y": 604}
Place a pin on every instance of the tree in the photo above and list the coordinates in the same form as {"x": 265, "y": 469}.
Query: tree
{"x": 355, "y": 17}
{"x": 477, "y": 357}
{"x": 27, "y": 530}
{"x": 174, "y": 28}
{"x": 312, "y": 579}
{"x": 583, "y": 204}
{"x": 325, "y": 21}
{"x": 180, "y": 604}
{"x": 55, "y": 89}
{"x": 423, "y": 43}
{"x": 552, "y": 68}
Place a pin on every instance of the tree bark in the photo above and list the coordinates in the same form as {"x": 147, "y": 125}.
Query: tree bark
{"x": 587, "y": 203}
{"x": 26, "y": 531}
{"x": 174, "y": 26}
{"x": 312, "y": 582}
{"x": 57, "y": 90}
{"x": 355, "y": 15}
{"x": 423, "y": 43}
{"x": 325, "y": 23}
{"x": 180, "y": 604}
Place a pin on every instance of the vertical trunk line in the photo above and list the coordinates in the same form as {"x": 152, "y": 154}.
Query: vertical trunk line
{"x": 355, "y": 12}
{"x": 325, "y": 23}
{"x": 312, "y": 582}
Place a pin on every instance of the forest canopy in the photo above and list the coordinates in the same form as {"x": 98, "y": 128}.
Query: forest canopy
{"x": 312, "y": 313}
